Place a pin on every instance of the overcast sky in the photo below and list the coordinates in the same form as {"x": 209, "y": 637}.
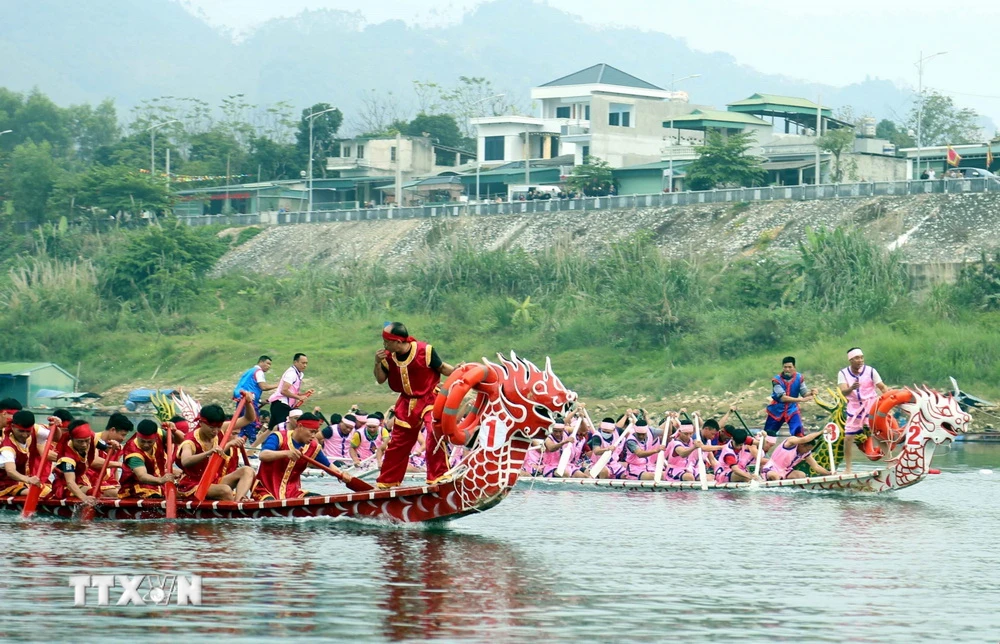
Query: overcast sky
{"x": 832, "y": 42}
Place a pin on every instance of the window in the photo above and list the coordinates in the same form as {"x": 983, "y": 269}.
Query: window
{"x": 347, "y": 150}
{"x": 361, "y": 152}
{"x": 586, "y": 152}
{"x": 562, "y": 112}
{"x": 392, "y": 153}
{"x": 493, "y": 148}
{"x": 620, "y": 114}
{"x": 586, "y": 112}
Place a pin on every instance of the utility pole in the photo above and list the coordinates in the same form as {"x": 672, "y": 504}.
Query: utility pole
{"x": 399, "y": 169}
{"x": 819, "y": 131}
{"x": 920, "y": 104}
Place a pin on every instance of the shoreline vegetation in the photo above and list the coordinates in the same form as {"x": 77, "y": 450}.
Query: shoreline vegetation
{"x": 624, "y": 325}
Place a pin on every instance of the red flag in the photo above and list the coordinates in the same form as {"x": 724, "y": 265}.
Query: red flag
{"x": 953, "y": 157}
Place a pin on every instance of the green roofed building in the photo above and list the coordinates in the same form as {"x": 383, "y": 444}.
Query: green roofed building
{"x": 24, "y": 381}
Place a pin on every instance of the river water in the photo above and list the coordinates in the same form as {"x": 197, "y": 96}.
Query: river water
{"x": 555, "y": 565}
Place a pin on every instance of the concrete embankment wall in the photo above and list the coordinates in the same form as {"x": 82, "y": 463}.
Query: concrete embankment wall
{"x": 936, "y": 233}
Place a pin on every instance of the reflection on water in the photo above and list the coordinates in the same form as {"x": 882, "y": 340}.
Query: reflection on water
{"x": 550, "y": 564}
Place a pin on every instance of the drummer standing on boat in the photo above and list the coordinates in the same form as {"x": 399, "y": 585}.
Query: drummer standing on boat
{"x": 787, "y": 391}
{"x": 413, "y": 370}
{"x": 861, "y": 385}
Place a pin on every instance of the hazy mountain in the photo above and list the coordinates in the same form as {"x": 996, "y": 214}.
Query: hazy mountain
{"x": 86, "y": 51}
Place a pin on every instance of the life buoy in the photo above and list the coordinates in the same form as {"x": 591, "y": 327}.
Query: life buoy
{"x": 882, "y": 423}
{"x": 449, "y": 402}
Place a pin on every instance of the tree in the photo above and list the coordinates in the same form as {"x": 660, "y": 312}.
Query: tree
{"x": 723, "y": 161}
{"x": 93, "y": 127}
{"x": 274, "y": 160}
{"x": 441, "y": 128}
{"x": 837, "y": 142}
{"x": 895, "y": 134}
{"x": 324, "y": 133}
{"x": 593, "y": 178}
{"x": 945, "y": 124}
{"x": 29, "y": 179}
{"x": 379, "y": 111}
{"x": 38, "y": 119}
{"x": 121, "y": 188}
{"x": 214, "y": 148}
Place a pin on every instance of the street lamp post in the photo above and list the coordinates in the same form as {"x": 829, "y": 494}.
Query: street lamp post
{"x": 672, "y": 83}
{"x": 920, "y": 98}
{"x": 479, "y": 160}
{"x": 311, "y": 117}
{"x": 152, "y": 144}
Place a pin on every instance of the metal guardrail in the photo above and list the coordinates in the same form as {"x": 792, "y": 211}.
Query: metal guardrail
{"x": 733, "y": 195}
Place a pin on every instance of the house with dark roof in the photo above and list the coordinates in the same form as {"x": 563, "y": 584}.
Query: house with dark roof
{"x": 599, "y": 111}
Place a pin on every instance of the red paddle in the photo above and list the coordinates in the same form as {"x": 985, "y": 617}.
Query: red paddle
{"x": 215, "y": 461}
{"x": 41, "y": 471}
{"x": 95, "y": 490}
{"x": 169, "y": 488}
{"x": 352, "y": 483}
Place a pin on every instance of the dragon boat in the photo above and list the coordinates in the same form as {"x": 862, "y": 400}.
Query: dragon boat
{"x": 931, "y": 419}
{"x": 515, "y": 403}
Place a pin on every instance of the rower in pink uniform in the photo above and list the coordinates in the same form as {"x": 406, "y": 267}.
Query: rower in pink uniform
{"x": 789, "y": 453}
{"x": 602, "y": 441}
{"x": 861, "y": 385}
{"x": 682, "y": 455}
{"x": 640, "y": 451}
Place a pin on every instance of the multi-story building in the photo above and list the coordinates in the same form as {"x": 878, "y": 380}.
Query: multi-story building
{"x": 600, "y": 111}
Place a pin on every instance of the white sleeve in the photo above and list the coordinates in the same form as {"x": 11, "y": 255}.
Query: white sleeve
{"x": 877, "y": 379}
{"x": 841, "y": 378}
{"x": 42, "y": 433}
{"x": 6, "y": 456}
{"x": 259, "y": 376}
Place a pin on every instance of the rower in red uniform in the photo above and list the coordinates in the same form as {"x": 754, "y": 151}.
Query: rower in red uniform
{"x": 8, "y": 407}
{"x": 19, "y": 454}
{"x": 281, "y": 462}
{"x": 145, "y": 463}
{"x": 233, "y": 483}
{"x": 117, "y": 429}
{"x": 414, "y": 371}
{"x": 74, "y": 455}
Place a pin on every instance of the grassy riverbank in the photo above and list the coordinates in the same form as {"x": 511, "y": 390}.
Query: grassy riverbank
{"x": 620, "y": 327}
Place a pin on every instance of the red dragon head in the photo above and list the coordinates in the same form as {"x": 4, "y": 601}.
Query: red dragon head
{"x": 532, "y": 397}
{"x": 525, "y": 398}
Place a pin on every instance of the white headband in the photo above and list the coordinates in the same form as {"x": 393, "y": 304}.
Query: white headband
{"x": 854, "y": 353}
{"x": 372, "y": 422}
{"x": 607, "y": 426}
{"x": 349, "y": 423}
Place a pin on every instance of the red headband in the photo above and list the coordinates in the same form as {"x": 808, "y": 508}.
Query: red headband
{"x": 10, "y": 412}
{"x": 204, "y": 421}
{"x": 21, "y": 427}
{"x": 392, "y": 337}
{"x": 308, "y": 424}
{"x": 81, "y": 432}
{"x": 183, "y": 426}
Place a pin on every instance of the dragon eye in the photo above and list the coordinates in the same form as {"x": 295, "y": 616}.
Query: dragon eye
{"x": 542, "y": 411}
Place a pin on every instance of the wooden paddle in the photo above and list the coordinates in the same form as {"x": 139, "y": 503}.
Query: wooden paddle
{"x": 702, "y": 474}
{"x": 352, "y": 483}
{"x": 755, "y": 482}
{"x": 170, "y": 488}
{"x": 215, "y": 460}
{"x": 41, "y": 471}
{"x": 567, "y": 450}
{"x": 661, "y": 458}
{"x": 87, "y": 514}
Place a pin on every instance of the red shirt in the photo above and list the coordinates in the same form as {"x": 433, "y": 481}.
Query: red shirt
{"x": 414, "y": 376}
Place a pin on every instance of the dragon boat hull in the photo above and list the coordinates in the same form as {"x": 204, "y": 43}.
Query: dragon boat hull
{"x": 864, "y": 482}
{"x": 400, "y": 505}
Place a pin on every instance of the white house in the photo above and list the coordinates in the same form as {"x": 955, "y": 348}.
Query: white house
{"x": 599, "y": 111}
